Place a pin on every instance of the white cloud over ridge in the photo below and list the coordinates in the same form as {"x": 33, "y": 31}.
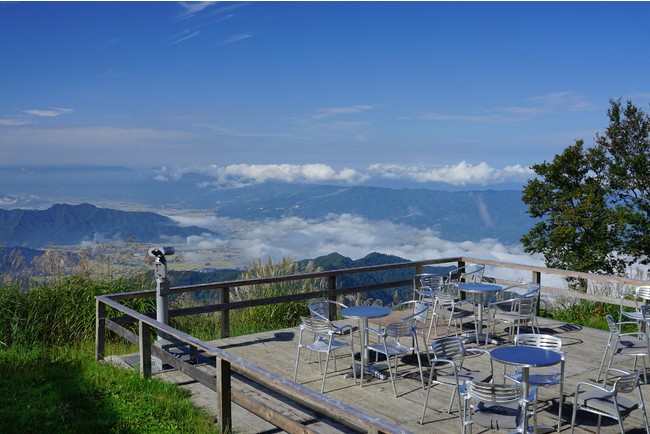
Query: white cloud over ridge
{"x": 461, "y": 174}
{"x": 238, "y": 175}
{"x": 347, "y": 234}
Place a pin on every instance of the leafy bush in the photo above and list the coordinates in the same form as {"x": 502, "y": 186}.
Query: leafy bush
{"x": 586, "y": 313}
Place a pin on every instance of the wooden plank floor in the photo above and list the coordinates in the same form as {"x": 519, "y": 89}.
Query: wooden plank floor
{"x": 276, "y": 351}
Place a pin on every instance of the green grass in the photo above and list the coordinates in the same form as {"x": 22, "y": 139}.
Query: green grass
{"x": 48, "y": 390}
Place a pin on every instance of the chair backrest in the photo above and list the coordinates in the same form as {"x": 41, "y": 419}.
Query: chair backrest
{"x": 432, "y": 281}
{"x": 468, "y": 273}
{"x": 400, "y": 329}
{"x": 547, "y": 342}
{"x": 627, "y": 383}
{"x": 419, "y": 309}
{"x": 320, "y": 307}
{"x": 448, "y": 293}
{"x": 317, "y": 326}
{"x": 448, "y": 348}
{"x": 641, "y": 295}
{"x": 613, "y": 327}
{"x": 493, "y": 394}
{"x": 527, "y": 306}
{"x": 521, "y": 290}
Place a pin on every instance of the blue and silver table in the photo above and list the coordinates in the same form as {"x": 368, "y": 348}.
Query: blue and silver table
{"x": 481, "y": 290}
{"x": 526, "y": 357}
{"x": 364, "y": 313}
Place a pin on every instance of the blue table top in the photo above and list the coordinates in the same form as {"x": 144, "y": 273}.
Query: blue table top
{"x": 525, "y": 356}
{"x": 365, "y": 311}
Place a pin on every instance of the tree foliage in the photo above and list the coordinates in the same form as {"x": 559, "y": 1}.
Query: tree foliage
{"x": 593, "y": 203}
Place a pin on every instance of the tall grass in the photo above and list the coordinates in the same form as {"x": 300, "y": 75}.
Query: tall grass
{"x": 57, "y": 314}
{"x": 275, "y": 316}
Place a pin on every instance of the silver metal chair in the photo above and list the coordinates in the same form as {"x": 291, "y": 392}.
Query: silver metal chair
{"x": 418, "y": 312}
{"x": 610, "y": 401}
{"x": 632, "y": 344}
{"x": 495, "y": 406}
{"x": 430, "y": 284}
{"x": 450, "y": 305}
{"x": 322, "y": 341}
{"x": 391, "y": 344}
{"x": 514, "y": 312}
{"x": 448, "y": 356}
{"x": 641, "y": 299}
{"x": 543, "y": 377}
{"x": 326, "y": 309}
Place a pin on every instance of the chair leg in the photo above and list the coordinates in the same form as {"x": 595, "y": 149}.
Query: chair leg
{"x": 327, "y": 361}
{"x": 602, "y": 361}
{"x": 390, "y": 373}
{"x": 295, "y": 372}
{"x": 573, "y": 416}
{"x": 426, "y": 396}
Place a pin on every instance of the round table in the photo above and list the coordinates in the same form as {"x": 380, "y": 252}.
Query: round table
{"x": 526, "y": 357}
{"x": 364, "y": 313}
{"x": 480, "y": 289}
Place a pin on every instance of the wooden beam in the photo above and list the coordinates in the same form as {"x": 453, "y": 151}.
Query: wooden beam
{"x": 145, "y": 349}
{"x": 100, "y": 329}
{"x": 224, "y": 404}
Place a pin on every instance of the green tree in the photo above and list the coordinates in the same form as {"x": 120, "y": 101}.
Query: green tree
{"x": 594, "y": 203}
{"x": 627, "y": 145}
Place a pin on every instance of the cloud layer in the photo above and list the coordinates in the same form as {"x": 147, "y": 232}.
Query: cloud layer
{"x": 461, "y": 174}
{"x": 347, "y": 234}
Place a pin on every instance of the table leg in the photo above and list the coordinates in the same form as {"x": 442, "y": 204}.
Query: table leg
{"x": 364, "y": 367}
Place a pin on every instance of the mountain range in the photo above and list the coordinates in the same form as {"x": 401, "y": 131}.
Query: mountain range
{"x": 455, "y": 215}
{"x": 64, "y": 224}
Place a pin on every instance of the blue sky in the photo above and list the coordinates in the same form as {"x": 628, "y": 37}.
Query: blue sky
{"x": 460, "y": 94}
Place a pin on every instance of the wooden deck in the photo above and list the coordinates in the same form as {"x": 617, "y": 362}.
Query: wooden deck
{"x": 276, "y": 351}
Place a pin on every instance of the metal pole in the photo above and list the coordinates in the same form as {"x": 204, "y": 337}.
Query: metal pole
{"x": 162, "y": 285}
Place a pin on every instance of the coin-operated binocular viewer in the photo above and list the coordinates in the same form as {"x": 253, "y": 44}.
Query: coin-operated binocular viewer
{"x": 162, "y": 284}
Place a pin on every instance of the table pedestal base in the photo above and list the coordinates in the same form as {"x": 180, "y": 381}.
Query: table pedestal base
{"x": 373, "y": 371}
{"x": 471, "y": 337}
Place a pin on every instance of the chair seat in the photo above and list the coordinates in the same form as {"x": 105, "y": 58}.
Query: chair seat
{"x": 498, "y": 416}
{"x": 512, "y": 317}
{"x": 394, "y": 348}
{"x": 631, "y": 346}
{"x": 321, "y": 345}
{"x": 603, "y": 401}
{"x": 463, "y": 376}
{"x": 460, "y": 313}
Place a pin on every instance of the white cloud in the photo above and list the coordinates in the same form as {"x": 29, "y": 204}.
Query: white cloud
{"x": 235, "y": 38}
{"x": 14, "y": 122}
{"x": 183, "y": 36}
{"x": 460, "y": 174}
{"x": 192, "y": 8}
{"x": 347, "y": 234}
{"x": 336, "y": 111}
{"x": 539, "y": 106}
{"x": 49, "y": 112}
{"x": 236, "y": 175}
{"x": 239, "y": 175}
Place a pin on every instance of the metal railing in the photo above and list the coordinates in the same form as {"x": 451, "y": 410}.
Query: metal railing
{"x": 226, "y": 362}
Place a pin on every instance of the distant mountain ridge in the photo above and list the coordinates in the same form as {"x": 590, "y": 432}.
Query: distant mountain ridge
{"x": 64, "y": 224}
